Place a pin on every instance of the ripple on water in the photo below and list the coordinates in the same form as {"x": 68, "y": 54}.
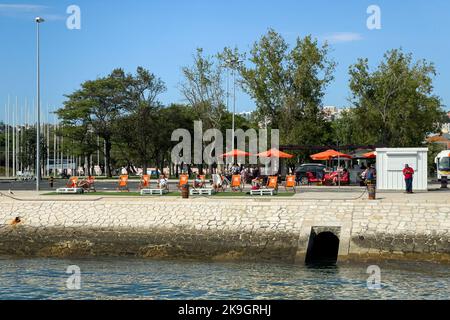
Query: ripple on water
{"x": 125, "y": 278}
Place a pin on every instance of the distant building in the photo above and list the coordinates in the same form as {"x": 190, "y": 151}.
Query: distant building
{"x": 446, "y": 126}
{"x": 332, "y": 112}
{"x": 444, "y": 136}
{"x": 245, "y": 114}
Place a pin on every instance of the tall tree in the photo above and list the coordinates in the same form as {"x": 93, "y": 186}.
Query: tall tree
{"x": 202, "y": 88}
{"x": 288, "y": 86}
{"x": 395, "y": 104}
{"x": 98, "y": 103}
{"x": 140, "y": 125}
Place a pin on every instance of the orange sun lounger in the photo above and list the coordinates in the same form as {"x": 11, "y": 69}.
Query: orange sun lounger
{"x": 272, "y": 183}
{"x": 72, "y": 183}
{"x": 123, "y": 183}
{"x": 290, "y": 183}
{"x": 145, "y": 181}
{"x": 183, "y": 180}
{"x": 88, "y": 184}
{"x": 91, "y": 181}
{"x": 236, "y": 183}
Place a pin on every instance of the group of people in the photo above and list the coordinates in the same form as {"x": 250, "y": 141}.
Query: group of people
{"x": 337, "y": 177}
{"x": 221, "y": 180}
{"x": 253, "y": 176}
{"x": 247, "y": 173}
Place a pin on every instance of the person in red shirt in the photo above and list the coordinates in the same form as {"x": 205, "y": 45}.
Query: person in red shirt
{"x": 408, "y": 172}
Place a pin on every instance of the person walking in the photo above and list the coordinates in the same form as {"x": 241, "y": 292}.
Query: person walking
{"x": 408, "y": 172}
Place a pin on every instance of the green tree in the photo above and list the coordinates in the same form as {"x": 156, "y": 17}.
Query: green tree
{"x": 80, "y": 140}
{"x": 202, "y": 89}
{"x": 139, "y": 127}
{"x": 288, "y": 86}
{"x": 345, "y": 129}
{"x": 395, "y": 105}
{"x": 98, "y": 104}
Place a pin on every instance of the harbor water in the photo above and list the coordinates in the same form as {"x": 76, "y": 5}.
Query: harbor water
{"x": 130, "y": 278}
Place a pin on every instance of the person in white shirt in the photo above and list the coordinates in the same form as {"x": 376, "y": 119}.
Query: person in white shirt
{"x": 163, "y": 182}
{"x": 217, "y": 181}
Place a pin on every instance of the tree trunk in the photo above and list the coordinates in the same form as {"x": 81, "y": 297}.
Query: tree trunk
{"x": 161, "y": 164}
{"x": 144, "y": 167}
{"x": 108, "y": 157}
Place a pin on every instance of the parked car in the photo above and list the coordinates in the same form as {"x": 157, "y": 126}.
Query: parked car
{"x": 317, "y": 169}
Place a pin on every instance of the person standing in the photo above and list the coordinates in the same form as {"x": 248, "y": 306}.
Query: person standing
{"x": 370, "y": 175}
{"x": 408, "y": 172}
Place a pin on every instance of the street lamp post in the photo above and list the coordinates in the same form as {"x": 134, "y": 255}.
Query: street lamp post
{"x": 233, "y": 63}
{"x": 234, "y": 107}
{"x": 38, "y": 20}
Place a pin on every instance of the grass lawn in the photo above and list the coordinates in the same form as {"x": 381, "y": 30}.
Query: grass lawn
{"x": 170, "y": 194}
{"x": 245, "y": 194}
{"x": 106, "y": 193}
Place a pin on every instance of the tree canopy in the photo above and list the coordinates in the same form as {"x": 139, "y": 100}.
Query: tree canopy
{"x": 394, "y": 105}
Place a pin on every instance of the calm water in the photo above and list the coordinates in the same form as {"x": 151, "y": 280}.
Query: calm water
{"x": 120, "y": 278}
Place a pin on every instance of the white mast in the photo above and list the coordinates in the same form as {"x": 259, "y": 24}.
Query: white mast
{"x": 61, "y": 150}
{"x": 48, "y": 143}
{"x": 17, "y": 135}
{"x": 54, "y": 147}
{"x": 14, "y": 140}
{"x": 6, "y": 141}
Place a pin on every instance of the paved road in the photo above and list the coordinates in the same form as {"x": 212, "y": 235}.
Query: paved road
{"x": 110, "y": 185}
{"x": 99, "y": 185}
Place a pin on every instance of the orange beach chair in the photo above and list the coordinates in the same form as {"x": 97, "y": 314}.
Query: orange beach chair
{"x": 91, "y": 181}
{"x": 123, "y": 183}
{"x": 272, "y": 183}
{"x": 183, "y": 180}
{"x": 145, "y": 181}
{"x": 88, "y": 184}
{"x": 236, "y": 183}
{"x": 72, "y": 183}
{"x": 290, "y": 183}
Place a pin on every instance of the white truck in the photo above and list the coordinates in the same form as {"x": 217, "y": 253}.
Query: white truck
{"x": 442, "y": 161}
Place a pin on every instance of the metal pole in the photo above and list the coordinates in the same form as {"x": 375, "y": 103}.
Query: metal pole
{"x": 228, "y": 89}
{"x": 38, "y": 110}
{"x": 17, "y": 127}
{"x": 14, "y": 140}
{"x": 6, "y": 140}
{"x": 234, "y": 107}
{"x": 54, "y": 149}
{"x": 48, "y": 144}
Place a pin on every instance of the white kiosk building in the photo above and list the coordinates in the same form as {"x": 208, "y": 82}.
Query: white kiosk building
{"x": 390, "y": 165}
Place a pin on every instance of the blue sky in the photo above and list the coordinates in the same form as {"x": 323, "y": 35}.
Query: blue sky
{"x": 162, "y": 36}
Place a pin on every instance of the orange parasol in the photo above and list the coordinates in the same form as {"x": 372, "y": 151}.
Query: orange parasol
{"x": 370, "y": 155}
{"x": 235, "y": 153}
{"x": 329, "y": 154}
{"x": 275, "y": 153}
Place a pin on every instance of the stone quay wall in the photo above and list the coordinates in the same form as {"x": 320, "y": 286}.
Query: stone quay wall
{"x": 224, "y": 229}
